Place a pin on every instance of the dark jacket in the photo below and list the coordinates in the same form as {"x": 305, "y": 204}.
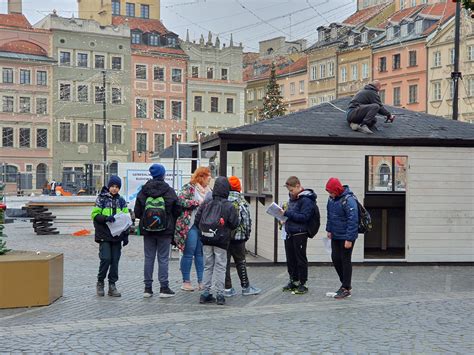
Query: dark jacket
{"x": 107, "y": 205}
{"x": 158, "y": 188}
{"x": 343, "y": 216}
{"x": 368, "y": 95}
{"x": 220, "y": 194}
{"x": 300, "y": 211}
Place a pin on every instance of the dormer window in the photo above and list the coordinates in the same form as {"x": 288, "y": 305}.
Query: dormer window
{"x": 321, "y": 36}
{"x": 390, "y": 33}
{"x": 351, "y": 41}
{"x": 136, "y": 38}
{"x": 365, "y": 37}
{"x": 153, "y": 39}
{"x": 171, "y": 41}
{"x": 419, "y": 27}
{"x": 333, "y": 33}
{"x": 396, "y": 31}
{"x": 405, "y": 30}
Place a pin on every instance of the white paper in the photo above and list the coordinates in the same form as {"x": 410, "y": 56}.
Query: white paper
{"x": 275, "y": 211}
{"x": 327, "y": 245}
{"x": 283, "y": 233}
{"x": 122, "y": 222}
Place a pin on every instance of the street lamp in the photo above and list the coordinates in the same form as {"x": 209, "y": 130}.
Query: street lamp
{"x": 104, "y": 116}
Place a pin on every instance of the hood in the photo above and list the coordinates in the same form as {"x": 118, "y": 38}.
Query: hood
{"x": 104, "y": 192}
{"x": 370, "y": 87}
{"x": 221, "y": 188}
{"x": 235, "y": 196}
{"x": 307, "y": 193}
{"x": 347, "y": 191}
{"x": 155, "y": 188}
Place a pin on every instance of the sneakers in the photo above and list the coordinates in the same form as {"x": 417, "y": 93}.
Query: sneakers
{"x": 290, "y": 287}
{"x": 207, "y": 297}
{"x": 186, "y": 286}
{"x": 148, "y": 292}
{"x": 200, "y": 287}
{"x": 364, "y": 129}
{"x": 343, "y": 293}
{"x": 100, "y": 289}
{"x": 354, "y": 126}
{"x": 301, "y": 290}
{"x": 230, "y": 292}
{"x": 113, "y": 292}
{"x": 251, "y": 291}
{"x": 166, "y": 292}
{"x": 220, "y": 300}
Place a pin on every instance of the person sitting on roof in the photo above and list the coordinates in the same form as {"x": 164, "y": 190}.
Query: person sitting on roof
{"x": 364, "y": 106}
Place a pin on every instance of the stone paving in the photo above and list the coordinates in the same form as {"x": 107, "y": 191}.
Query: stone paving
{"x": 394, "y": 309}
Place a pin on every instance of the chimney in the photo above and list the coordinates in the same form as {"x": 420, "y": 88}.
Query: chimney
{"x": 14, "y": 7}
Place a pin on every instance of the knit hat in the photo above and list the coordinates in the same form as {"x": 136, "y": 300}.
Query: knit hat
{"x": 114, "y": 180}
{"x": 334, "y": 186}
{"x": 235, "y": 184}
{"x": 158, "y": 171}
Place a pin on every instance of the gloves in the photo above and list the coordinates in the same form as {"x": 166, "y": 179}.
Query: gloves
{"x": 125, "y": 242}
{"x": 110, "y": 219}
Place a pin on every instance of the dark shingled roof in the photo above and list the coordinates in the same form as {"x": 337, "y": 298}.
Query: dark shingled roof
{"x": 326, "y": 124}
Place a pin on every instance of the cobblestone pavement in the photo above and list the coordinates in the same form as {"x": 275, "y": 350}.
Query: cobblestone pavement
{"x": 394, "y": 309}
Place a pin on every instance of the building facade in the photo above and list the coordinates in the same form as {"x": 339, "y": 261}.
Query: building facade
{"x": 293, "y": 82}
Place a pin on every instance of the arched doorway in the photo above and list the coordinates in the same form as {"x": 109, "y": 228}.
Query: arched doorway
{"x": 41, "y": 175}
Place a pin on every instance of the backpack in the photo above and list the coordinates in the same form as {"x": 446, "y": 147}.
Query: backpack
{"x": 154, "y": 217}
{"x": 212, "y": 221}
{"x": 244, "y": 215}
{"x": 365, "y": 221}
{"x": 314, "y": 223}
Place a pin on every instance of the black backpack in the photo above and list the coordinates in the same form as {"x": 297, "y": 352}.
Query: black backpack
{"x": 365, "y": 221}
{"x": 212, "y": 221}
{"x": 314, "y": 223}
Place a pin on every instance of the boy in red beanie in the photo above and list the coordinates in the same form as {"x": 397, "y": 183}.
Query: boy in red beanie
{"x": 342, "y": 228}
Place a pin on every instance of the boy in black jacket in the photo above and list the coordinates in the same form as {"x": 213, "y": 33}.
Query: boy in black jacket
{"x": 216, "y": 219}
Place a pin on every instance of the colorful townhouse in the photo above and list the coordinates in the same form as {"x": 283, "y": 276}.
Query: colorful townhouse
{"x": 293, "y": 82}
{"x": 26, "y": 111}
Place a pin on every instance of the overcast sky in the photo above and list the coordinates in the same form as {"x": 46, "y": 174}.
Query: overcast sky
{"x": 250, "y": 21}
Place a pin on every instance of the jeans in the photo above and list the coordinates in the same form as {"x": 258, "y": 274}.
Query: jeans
{"x": 296, "y": 260}
{"x": 192, "y": 248}
{"x": 215, "y": 261}
{"x": 236, "y": 250}
{"x": 156, "y": 247}
{"x": 364, "y": 115}
{"x": 109, "y": 254}
{"x": 341, "y": 258}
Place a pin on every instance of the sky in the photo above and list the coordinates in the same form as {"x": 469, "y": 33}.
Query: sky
{"x": 250, "y": 21}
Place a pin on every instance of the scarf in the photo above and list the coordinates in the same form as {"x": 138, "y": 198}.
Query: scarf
{"x": 202, "y": 191}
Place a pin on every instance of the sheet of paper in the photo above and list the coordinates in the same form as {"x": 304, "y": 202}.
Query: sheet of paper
{"x": 123, "y": 221}
{"x": 275, "y": 211}
{"x": 327, "y": 245}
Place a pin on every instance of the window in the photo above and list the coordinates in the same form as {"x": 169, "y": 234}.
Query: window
{"x": 140, "y": 105}
{"x": 382, "y": 96}
{"x": 25, "y": 77}
{"x": 140, "y": 71}
{"x": 83, "y": 93}
{"x": 292, "y": 88}
{"x": 159, "y": 73}
{"x": 176, "y": 110}
{"x": 99, "y": 94}
{"x": 412, "y": 58}
{"x": 451, "y": 89}
{"x": 419, "y": 27}
{"x": 350, "y": 41}
{"x": 117, "y": 63}
{"x": 267, "y": 162}
{"x": 470, "y": 87}
{"x": 99, "y": 61}
{"x": 390, "y": 31}
{"x": 82, "y": 132}
{"x": 145, "y": 11}
{"x": 404, "y": 31}
{"x": 383, "y": 171}
{"x": 65, "y": 92}
{"x": 7, "y": 103}
{"x": 115, "y": 7}
{"x": 282, "y": 90}
{"x": 330, "y": 69}
{"x": 176, "y": 75}
{"x": 343, "y": 74}
{"x": 65, "y": 58}
{"x": 41, "y": 138}
{"x": 365, "y": 37}
{"x": 41, "y": 78}
{"x": 99, "y": 133}
{"x": 25, "y": 105}
{"x": 153, "y": 39}
{"x": 437, "y": 59}
{"x": 402, "y": 4}
{"x": 322, "y": 71}
{"x": 251, "y": 94}
{"x": 210, "y": 72}
{"x": 116, "y": 134}
{"x": 451, "y": 56}
{"x": 259, "y": 171}
{"x": 396, "y": 61}
{"x": 172, "y": 41}
{"x": 82, "y": 60}
{"x": 25, "y": 138}
{"x": 159, "y": 109}
{"x": 195, "y": 72}
{"x": 64, "y": 132}
{"x": 129, "y": 9}
{"x": 214, "y": 104}
{"x": 365, "y": 70}
{"x": 117, "y": 96}
{"x": 437, "y": 91}
{"x": 396, "y": 96}
{"x": 198, "y": 103}
{"x": 382, "y": 64}
{"x": 314, "y": 72}
{"x": 252, "y": 176}
{"x": 355, "y": 73}
{"x": 7, "y": 74}
{"x": 230, "y": 105}
{"x": 141, "y": 142}
{"x": 470, "y": 53}
{"x": 136, "y": 38}
{"x": 301, "y": 86}
{"x": 413, "y": 94}
{"x": 41, "y": 106}
{"x": 7, "y": 137}
{"x": 224, "y": 74}
{"x": 159, "y": 142}
{"x": 413, "y": 3}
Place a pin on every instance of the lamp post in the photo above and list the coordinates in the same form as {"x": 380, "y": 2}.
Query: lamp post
{"x": 104, "y": 116}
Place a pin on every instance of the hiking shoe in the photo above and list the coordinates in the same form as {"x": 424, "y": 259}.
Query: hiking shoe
{"x": 100, "y": 289}
{"x": 148, "y": 292}
{"x": 166, "y": 292}
{"x": 301, "y": 290}
{"x": 230, "y": 292}
{"x": 186, "y": 286}
{"x": 290, "y": 287}
{"x": 345, "y": 293}
{"x": 113, "y": 292}
{"x": 251, "y": 291}
{"x": 364, "y": 129}
{"x": 207, "y": 297}
{"x": 354, "y": 126}
{"x": 220, "y": 300}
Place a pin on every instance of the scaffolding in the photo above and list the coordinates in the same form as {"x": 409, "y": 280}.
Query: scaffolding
{"x": 177, "y": 174}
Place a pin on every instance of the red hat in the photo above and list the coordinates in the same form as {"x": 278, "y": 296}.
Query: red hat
{"x": 235, "y": 184}
{"x": 334, "y": 186}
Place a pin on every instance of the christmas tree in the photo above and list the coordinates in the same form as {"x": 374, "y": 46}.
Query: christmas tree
{"x": 3, "y": 247}
{"x": 273, "y": 101}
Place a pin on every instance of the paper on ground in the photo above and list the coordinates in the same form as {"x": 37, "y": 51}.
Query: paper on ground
{"x": 123, "y": 221}
{"x": 275, "y": 211}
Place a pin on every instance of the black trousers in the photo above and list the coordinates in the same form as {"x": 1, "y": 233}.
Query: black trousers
{"x": 341, "y": 258}
{"x": 364, "y": 115}
{"x": 109, "y": 254}
{"x": 236, "y": 250}
{"x": 296, "y": 260}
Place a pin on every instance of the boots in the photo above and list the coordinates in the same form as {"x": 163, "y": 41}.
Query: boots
{"x": 113, "y": 291}
{"x": 100, "y": 288}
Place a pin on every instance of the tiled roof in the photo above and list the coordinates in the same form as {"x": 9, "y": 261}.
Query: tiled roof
{"x": 299, "y": 65}
{"x": 145, "y": 25}
{"x": 249, "y": 58}
{"x": 156, "y": 49}
{"x": 23, "y": 47}
{"x": 400, "y": 15}
{"x": 14, "y": 20}
{"x": 362, "y": 16}
{"x": 443, "y": 11}
{"x": 248, "y": 72}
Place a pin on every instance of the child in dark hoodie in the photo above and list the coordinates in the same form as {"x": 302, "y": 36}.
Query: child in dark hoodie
{"x": 216, "y": 219}
{"x": 157, "y": 244}
{"x": 108, "y": 204}
{"x": 301, "y": 208}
